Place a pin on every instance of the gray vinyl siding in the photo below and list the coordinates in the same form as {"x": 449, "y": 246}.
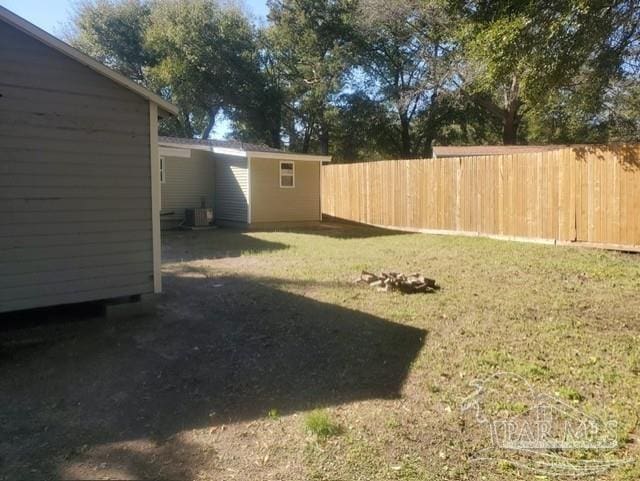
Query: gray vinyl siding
{"x": 75, "y": 186}
{"x": 188, "y": 181}
{"x": 231, "y": 188}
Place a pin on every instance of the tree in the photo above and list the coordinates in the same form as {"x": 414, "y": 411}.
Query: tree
{"x": 524, "y": 52}
{"x": 406, "y": 54}
{"x": 206, "y": 54}
{"x": 113, "y": 33}
{"x": 199, "y": 55}
{"x": 309, "y": 40}
{"x": 363, "y": 129}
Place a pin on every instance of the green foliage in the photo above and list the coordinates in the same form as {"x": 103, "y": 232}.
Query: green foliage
{"x": 308, "y": 41}
{"x": 363, "y": 129}
{"x": 533, "y": 63}
{"x": 319, "y": 422}
{"x": 273, "y": 414}
{"x": 370, "y": 79}
{"x": 113, "y": 33}
{"x": 206, "y": 54}
{"x": 202, "y": 56}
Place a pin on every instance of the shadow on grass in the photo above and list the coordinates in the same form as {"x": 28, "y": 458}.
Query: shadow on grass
{"x": 234, "y": 242}
{"x": 338, "y": 229}
{"x": 218, "y": 351}
{"x": 224, "y": 242}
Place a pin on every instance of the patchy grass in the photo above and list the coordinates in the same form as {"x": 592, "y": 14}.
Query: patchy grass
{"x": 273, "y": 414}
{"x": 570, "y": 394}
{"x": 567, "y": 320}
{"x": 319, "y": 423}
{"x": 251, "y": 321}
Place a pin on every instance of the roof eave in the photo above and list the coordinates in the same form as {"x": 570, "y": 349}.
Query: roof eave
{"x": 288, "y": 156}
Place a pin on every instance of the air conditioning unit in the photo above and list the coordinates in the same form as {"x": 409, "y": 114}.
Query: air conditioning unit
{"x": 200, "y": 217}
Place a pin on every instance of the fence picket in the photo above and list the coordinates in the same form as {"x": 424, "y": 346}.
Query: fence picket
{"x": 585, "y": 194}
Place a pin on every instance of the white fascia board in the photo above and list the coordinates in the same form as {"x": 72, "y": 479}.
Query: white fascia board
{"x": 207, "y": 148}
{"x": 289, "y": 156}
{"x": 175, "y": 152}
{"x": 224, "y": 151}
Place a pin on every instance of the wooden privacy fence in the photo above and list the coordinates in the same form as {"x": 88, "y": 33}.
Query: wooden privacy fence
{"x": 585, "y": 194}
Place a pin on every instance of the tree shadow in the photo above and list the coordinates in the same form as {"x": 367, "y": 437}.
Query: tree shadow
{"x": 226, "y": 242}
{"x": 627, "y": 154}
{"x": 217, "y": 351}
{"x": 337, "y": 228}
{"x": 212, "y": 244}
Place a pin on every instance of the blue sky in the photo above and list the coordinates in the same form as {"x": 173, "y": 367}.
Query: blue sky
{"x": 53, "y": 15}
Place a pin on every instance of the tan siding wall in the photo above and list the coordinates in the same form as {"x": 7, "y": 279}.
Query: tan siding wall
{"x": 188, "y": 182}
{"x": 271, "y": 203}
{"x": 75, "y": 185}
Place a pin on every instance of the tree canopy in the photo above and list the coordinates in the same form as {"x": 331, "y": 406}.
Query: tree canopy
{"x": 365, "y": 79}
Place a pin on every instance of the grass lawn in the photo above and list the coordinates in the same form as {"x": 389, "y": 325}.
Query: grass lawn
{"x": 266, "y": 361}
{"x": 565, "y": 319}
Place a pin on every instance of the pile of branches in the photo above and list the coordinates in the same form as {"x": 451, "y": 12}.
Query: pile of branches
{"x": 393, "y": 281}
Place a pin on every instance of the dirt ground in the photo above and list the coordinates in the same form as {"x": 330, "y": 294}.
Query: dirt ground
{"x": 254, "y": 330}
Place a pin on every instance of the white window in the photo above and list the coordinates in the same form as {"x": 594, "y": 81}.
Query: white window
{"x": 162, "y": 173}
{"x": 287, "y": 175}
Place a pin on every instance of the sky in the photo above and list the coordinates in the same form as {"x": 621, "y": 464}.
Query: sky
{"x": 53, "y": 15}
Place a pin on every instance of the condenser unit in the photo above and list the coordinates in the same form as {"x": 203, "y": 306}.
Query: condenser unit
{"x": 200, "y": 217}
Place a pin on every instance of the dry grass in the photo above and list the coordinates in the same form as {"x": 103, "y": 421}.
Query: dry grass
{"x": 567, "y": 320}
{"x": 256, "y": 331}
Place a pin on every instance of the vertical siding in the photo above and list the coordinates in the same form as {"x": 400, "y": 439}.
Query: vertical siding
{"x": 75, "y": 186}
{"x": 188, "y": 181}
{"x": 271, "y": 203}
{"x": 231, "y": 188}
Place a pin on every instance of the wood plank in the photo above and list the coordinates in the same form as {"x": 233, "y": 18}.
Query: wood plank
{"x": 552, "y": 195}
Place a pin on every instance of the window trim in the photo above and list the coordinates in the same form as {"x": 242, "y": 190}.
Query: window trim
{"x": 292, "y": 174}
{"x": 163, "y": 168}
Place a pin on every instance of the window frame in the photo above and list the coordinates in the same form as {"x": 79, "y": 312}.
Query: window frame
{"x": 287, "y": 174}
{"x": 163, "y": 169}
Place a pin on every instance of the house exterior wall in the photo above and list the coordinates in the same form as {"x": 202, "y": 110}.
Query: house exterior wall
{"x": 188, "y": 181}
{"x": 271, "y": 203}
{"x": 75, "y": 181}
{"x": 231, "y": 188}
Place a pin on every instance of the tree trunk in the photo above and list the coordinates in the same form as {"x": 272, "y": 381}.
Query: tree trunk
{"x": 428, "y": 147}
{"x": 323, "y": 137}
{"x": 186, "y": 124}
{"x": 307, "y": 139}
{"x": 276, "y": 141}
{"x": 213, "y": 113}
{"x": 511, "y": 117}
{"x": 405, "y": 150}
{"x": 510, "y": 128}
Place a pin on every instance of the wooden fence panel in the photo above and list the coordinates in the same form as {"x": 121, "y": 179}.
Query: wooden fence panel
{"x": 577, "y": 194}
